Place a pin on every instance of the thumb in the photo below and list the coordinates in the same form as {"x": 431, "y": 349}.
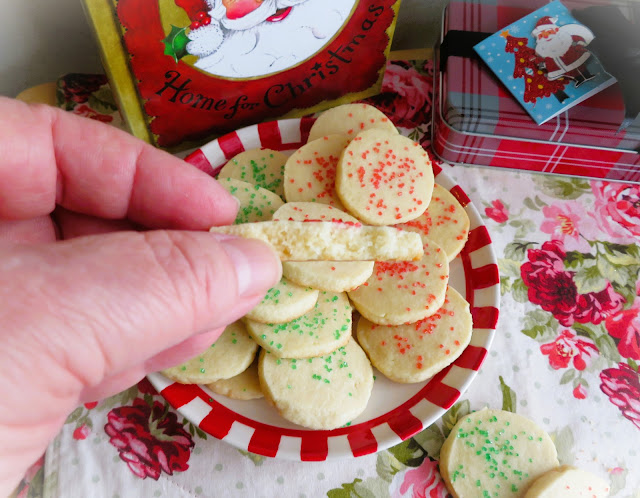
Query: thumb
{"x": 80, "y": 311}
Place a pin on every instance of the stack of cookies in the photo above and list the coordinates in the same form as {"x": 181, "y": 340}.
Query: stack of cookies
{"x": 366, "y": 238}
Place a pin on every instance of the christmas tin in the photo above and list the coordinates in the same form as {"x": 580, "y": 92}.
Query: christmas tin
{"x": 184, "y": 71}
{"x": 478, "y": 120}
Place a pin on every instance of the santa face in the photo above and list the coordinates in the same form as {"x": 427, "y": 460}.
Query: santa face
{"x": 553, "y": 44}
{"x": 248, "y": 38}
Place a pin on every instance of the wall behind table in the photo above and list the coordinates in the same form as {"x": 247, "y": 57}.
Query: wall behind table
{"x": 43, "y": 39}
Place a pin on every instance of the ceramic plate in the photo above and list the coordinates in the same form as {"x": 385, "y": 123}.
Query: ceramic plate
{"x": 395, "y": 411}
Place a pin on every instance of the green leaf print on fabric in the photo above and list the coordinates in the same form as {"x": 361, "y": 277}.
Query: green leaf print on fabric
{"x": 431, "y": 439}
{"x": 387, "y": 465}
{"x": 373, "y": 487}
{"x": 517, "y": 250}
{"x": 563, "y": 439}
{"x": 257, "y": 460}
{"x": 449, "y": 419}
{"x": 589, "y": 279}
{"x": 408, "y": 452}
{"x": 562, "y": 188}
{"x": 540, "y": 325}
{"x": 508, "y": 397}
{"x": 519, "y": 291}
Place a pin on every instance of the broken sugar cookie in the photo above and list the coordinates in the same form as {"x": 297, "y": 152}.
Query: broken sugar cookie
{"x": 284, "y": 302}
{"x": 244, "y": 386}
{"x": 568, "y": 482}
{"x": 310, "y": 172}
{"x": 321, "y": 330}
{"x": 445, "y": 222}
{"x": 335, "y": 276}
{"x": 404, "y": 291}
{"x": 495, "y": 453}
{"x": 415, "y": 352}
{"x": 384, "y": 178}
{"x": 349, "y": 120}
{"x": 230, "y": 355}
{"x": 330, "y": 241}
{"x": 256, "y": 203}
{"x": 262, "y": 167}
{"x": 320, "y": 393}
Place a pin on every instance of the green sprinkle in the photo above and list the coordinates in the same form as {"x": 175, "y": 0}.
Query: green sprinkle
{"x": 202, "y": 370}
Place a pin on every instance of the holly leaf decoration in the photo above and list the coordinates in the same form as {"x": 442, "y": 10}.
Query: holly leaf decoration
{"x": 175, "y": 44}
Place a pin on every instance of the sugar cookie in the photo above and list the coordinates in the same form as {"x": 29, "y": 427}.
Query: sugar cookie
{"x": 331, "y": 241}
{"x": 323, "y": 329}
{"x": 349, "y": 120}
{"x": 445, "y": 222}
{"x": 230, "y": 355}
{"x": 404, "y": 292}
{"x": 310, "y": 172}
{"x": 262, "y": 167}
{"x": 245, "y": 385}
{"x": 417, "y": 351}
{"x": 384, "y": 178}
{"x": 335, "y": 276}
{"x": 284, "y": 302}
{"x": 568, "y": 482}
{"x": 256, "y": 203}
{"x": 495, "y": 453}
{"x": 319, "y": 393}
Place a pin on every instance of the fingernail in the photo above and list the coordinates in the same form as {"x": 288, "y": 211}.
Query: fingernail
{"x": 257, "y": 266}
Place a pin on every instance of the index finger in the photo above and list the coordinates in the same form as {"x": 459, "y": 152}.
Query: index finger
{"x": 49, "y": 157}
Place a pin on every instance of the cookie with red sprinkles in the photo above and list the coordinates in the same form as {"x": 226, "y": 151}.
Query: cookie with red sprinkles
{"x": 384, "y": 178}
{"x": 310, "y": 172}
{"x": 349, "y": 120}
{"x": 445, "y": 222}
{"x": 414, "y": 352}
{"x": 404, "y": 291}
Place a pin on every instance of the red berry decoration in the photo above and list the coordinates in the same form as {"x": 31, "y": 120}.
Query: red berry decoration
{"x": 206, "y": 21}
{"x": 200, "y": 16}
{"x": 195, "y": 25}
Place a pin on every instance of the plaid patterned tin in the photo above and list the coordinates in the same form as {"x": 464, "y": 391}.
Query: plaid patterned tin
{"x": 477, "y": 121}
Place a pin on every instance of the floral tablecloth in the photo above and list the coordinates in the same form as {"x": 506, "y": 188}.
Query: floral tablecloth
{"x": 566, "y": 351}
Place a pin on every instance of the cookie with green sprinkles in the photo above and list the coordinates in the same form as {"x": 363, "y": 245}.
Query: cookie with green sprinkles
{"x": 320, "y": 393}
{"x": 335, "y": 276}
{"x": 323, "y": 329}
{"x": 495, "y": 454}
{"x": 229, "y": 356}
{"x": 283, "y": 303}
{"x": 415, "y": 352}
{"x": 256, "y": 203}
{"x": 262, "y": 167}
{"x": 243, "y": 386}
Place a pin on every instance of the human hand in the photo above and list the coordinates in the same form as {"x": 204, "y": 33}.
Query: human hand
{"x": 91, "y": 314}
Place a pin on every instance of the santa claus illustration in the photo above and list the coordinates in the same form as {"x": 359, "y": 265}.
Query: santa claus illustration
{"x": 563, "y": 49}
{"x": 248, "y": 38}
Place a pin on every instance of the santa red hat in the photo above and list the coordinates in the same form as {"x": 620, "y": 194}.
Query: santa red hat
{"x": 543, "y": 24}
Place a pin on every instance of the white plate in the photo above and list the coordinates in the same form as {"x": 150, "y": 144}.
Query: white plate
{"x": 395, "y": 411}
